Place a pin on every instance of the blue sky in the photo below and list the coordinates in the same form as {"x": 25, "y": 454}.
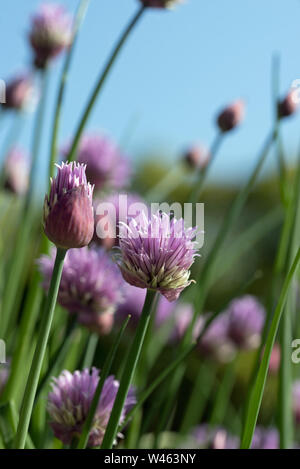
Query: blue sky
{"x": 176, "y": 71}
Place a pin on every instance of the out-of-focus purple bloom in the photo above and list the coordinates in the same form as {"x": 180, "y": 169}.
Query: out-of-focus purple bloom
{"x": 50, "y": 33}
{"x": 133, "y": 303}
{"x": 265, "y": 438}
{"x": 215, "y": 343}
{"x": 107, "y": 166}
{"x": 112, "y": 210}
{"x": 182, "y": 318}
{"x": 70, "y": 400}
{"x": 289, "y": 105}
{"x": 91, "y": 286}
{"x": 4, "y": 375}
{"x": 231, "y": 116}
{"x": 160, "y": 3}
{"x": 197, "y": 157}
{"x": 296, "y": 400}
{"x": 156, "y": 253}
{"x": 245, "y": 321}
{"x": 274, "y": 363}
{"x": 16, "y": 171}
{"x": 214, "y": 438}
{"x": 20, "y": 93}
{"x": 68, "y": 211}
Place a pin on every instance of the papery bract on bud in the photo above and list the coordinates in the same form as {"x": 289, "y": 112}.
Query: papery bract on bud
{"x": 156, "y": 252}
{"x": 289, "y": 105}
{"x": 71, "y": 398}
{"x": 196, "y": 157}
{"x": 16, "y": 169}
{"x": 20, "y": 93}
{"x": 91, "y": 286}
{"x": 68, "y": 210}
{"x": 231, "y": 116}
{"x": 107, "y": 167}
{"x": 50, "y": 33}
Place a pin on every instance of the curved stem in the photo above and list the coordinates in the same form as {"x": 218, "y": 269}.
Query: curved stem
{"x": 101, "y": 81}
{"x": 35, "y": 370}
{"x": 129, "y": 370}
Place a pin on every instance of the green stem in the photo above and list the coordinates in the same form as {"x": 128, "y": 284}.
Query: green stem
{"x": 128, "y": 372}
{"x": 64, "y": 78}
{"x": 34, "y": 374}
{"x": 101, "y": 81}
{"x": 258, "y": 389}
{"x": 84, "y": 437}
{"x": 90, "y": 351}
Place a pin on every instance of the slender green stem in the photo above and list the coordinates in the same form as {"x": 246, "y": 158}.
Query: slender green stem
{"x": 128, "y": 372}
{"x": 202, "y": 173}
{"x": 223, "y": 395}
{"x": 81, "y": 12}
{"x": 258, "y": 389}
{"x": 101, "y": 81}
{"x": 34, "y": 374}
{"x": 90, "y": 351}
{"x": 84, "y": 437}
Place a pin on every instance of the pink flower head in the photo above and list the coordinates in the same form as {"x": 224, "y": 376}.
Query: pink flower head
{"x": 160, "y": 3}
{"x": 197, "y": 157}
{"x": 68, "y": 210}
{"x": 20, "y": 93}
{"x": 70, "y": 400}
{"x": 91, "y": 286}
{"x": 106, "y": 166}
{"x": 231, "y": 116}
{"x": 50, "y": 34}
{"x": 16, "y": 170}
{"x": 156, "y": 252}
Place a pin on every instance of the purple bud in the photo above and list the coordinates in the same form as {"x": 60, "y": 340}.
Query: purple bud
{"x": 20, "y": 93}
{"x": 231, "y": 116}
{"x": 91, "y": 286}
{"x": 68, "y": 211}
{"x": 215, "y": 343}
{"x": 289, "y": 104}
{"x": 16, "y": 171}
{"x": 71, "y": 398}
{"x": 50, "y": 34}
{"x": 197, "y": 157}
{"x": 245, "y": 321}
{"x": 265, "y": 438}
{"x": 156, "y": 252}
{"x": 107, "y": 166}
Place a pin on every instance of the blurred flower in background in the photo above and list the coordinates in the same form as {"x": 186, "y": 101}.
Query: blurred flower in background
{"x": 16, "y": 171}
{"x": 70, "y": 400}
{"x": 215, "y": 343}
{"x": 231, "y": 116}
{"x": 296, "y": 400}
{"x": 289, "y": 104}
{"x": 21, "y": 94}
{"x": 107, "y": 167}
{"x": 91, "y": 286}
{"x": 50, "y": 33}
{"x": 207, "y": 437}
{"x": 4, "y": 375}
{"x": 160, "y": 3}
{"x": 265, "y": 438}
{"x": 196, "y": 157}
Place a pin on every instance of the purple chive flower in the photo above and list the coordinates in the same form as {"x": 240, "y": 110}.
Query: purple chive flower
{"x": 231, "y": 116}
{"x": 156, "y": 253}
{"x": 289, "y": 105}
{"x": 245, "y": 322}
{"x": 16, "y": 170}
{"x": 107, "y": 167}
{"x": 68, "y": 211}
{"x": 50, "y": 33}
{"x": 91, "y": 286}
{"x": 265, "y": 438}
{"x": 296, "y": 400}
{"x": 215, "y": 343}
{"x": 182, "y": 317}
{"x": 70, "y": 400}
{"x": 20, "y": 93}
{"x": 214, "y": 438}
{"x": 134, "y": 299}
{"x": 197, "y": 157}
{"x": 112, "y": 210}
{"x": 160, "y": 3}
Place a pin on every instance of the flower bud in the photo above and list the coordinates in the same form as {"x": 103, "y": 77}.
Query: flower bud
{"x": 20, "y": 93}
{"x": 160, "y": 3}
{"x": 68, "y": 211}
{"x": 196, "y": 157}
{"x": 288, "y": 105}
{"x": 231, "y": 116}
{"x": 16, "y": 170}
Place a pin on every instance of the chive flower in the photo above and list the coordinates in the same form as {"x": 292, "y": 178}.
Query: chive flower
{"x": 288, "y": 105}
{"x": 16, "y": 171}
{"x": 20, "y": 93}
{"x": 160, "y": 3}
{"x": 231, "y": 116}
{"x": 68, "y": 210}
{"x": 70, "y": 400}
